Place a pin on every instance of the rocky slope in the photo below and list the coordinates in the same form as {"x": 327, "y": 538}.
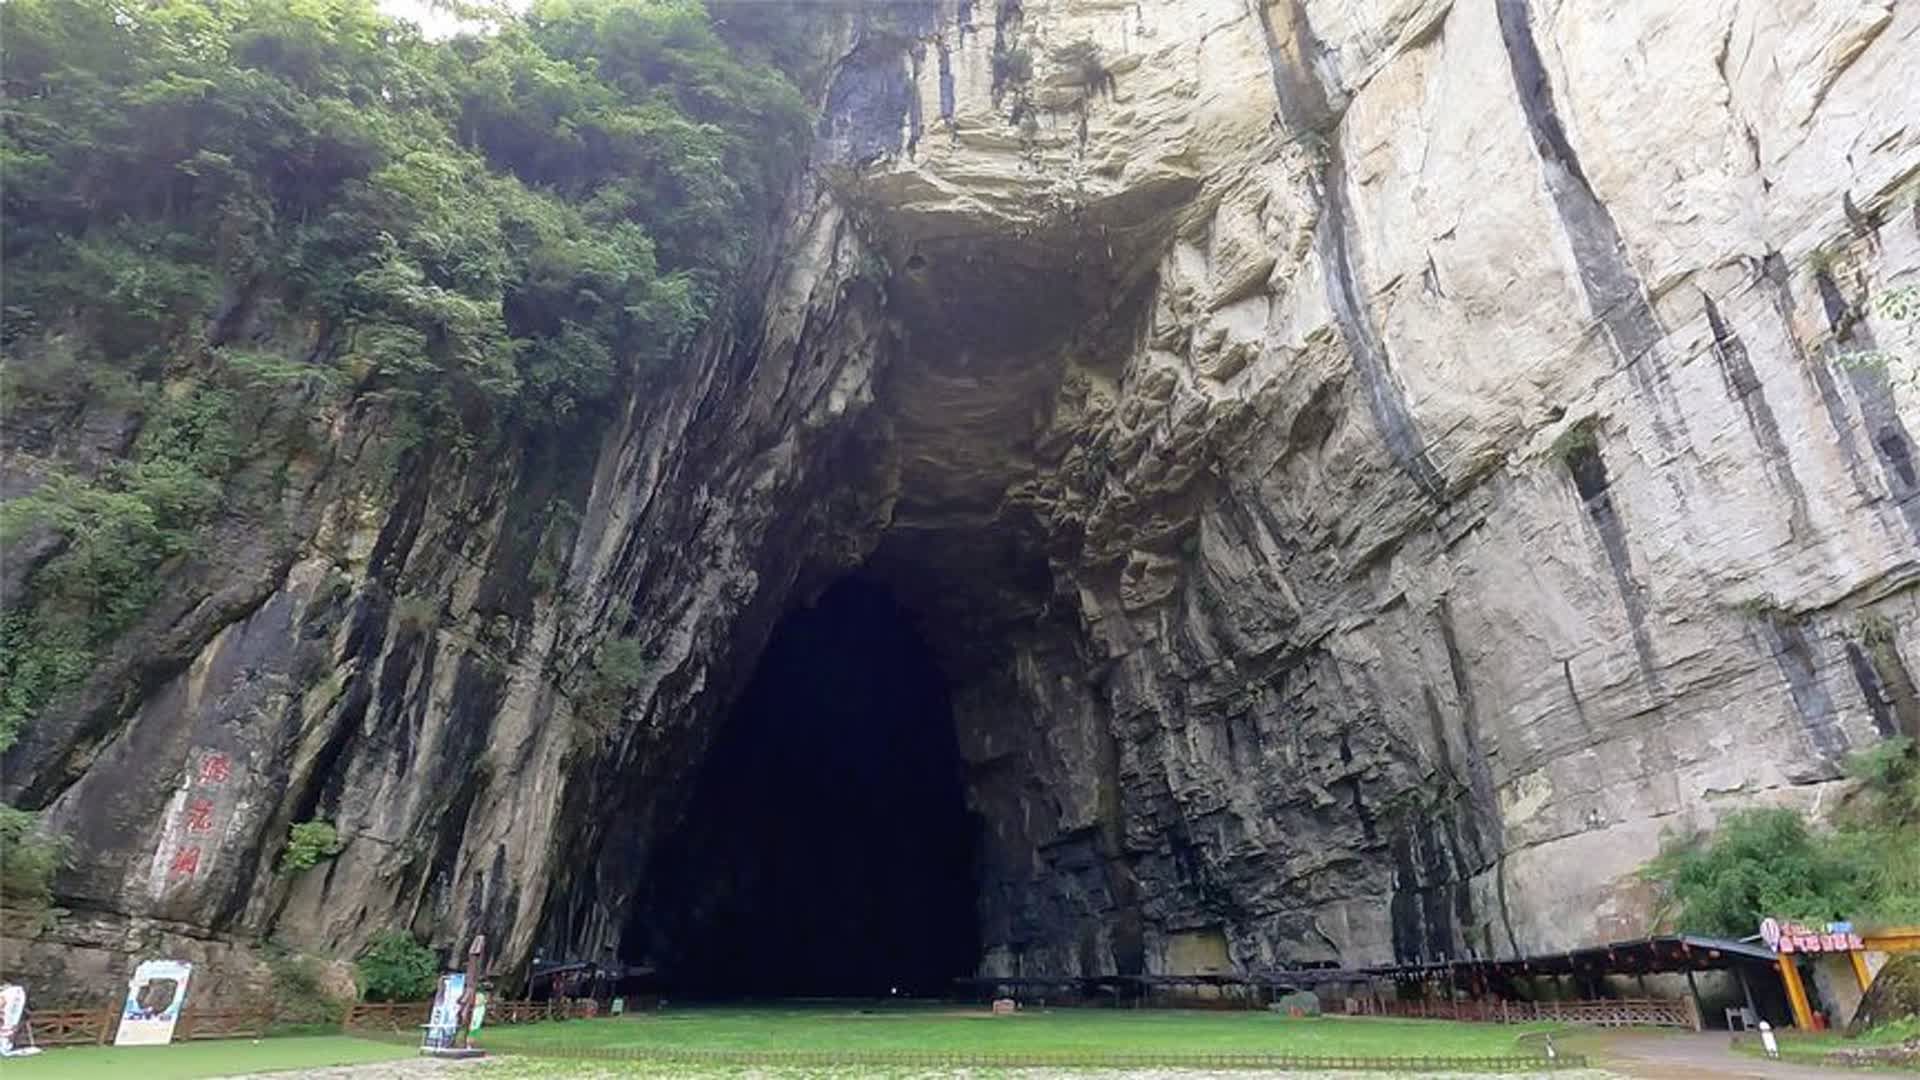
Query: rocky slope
{"x": 1368, "y": 469}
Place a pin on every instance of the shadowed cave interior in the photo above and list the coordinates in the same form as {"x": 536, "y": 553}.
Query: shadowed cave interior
{"x": 827, "y": 849}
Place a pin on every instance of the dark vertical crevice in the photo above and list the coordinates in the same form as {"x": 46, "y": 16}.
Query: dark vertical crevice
{"x": 916, "y": 56}
{"x": 1800, "y": 667}
{"x": 1306, "y": 109}
{"x": 1886, "y": 684}
{"x": 1303, "y": 103}
{"x": 1873, "y": 394}
{"x": 1744, "y": 387}
{"x": 1590, "y": 480}
{"x": 1369, "y": 827}
{"x": 1873, "y": 692}
{"x": 1483, "y": 817}
{"x": 944, "y": 57}
{"x": 1128, "y": 923}
{"x": 1427, "y": 900}
{"x": 1615, "y": 294}
{"x": 1385, "y": 400}
{"x": 1776, "y": 278}
{"x": 1573, "y": 692}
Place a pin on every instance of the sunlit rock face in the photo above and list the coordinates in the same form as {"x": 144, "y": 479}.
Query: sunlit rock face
{"x": 1364, "y": 470}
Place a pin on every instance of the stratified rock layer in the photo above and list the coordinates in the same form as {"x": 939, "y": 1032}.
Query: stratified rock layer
{"x": 1367, "y": 469}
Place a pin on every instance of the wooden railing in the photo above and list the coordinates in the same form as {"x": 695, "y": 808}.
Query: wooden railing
{"x": 1601, "y": 1012}
{"x": 407, "y": 1016}
{"x": 71, "y": 1027}
{"x": 527, "y": 1012}
{"x": 410, "y": 1016}
{"x": 96, "y": 1027}
{"x": 243, "y": 1023}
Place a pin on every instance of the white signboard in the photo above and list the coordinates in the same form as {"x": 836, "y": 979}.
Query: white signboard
{"x": 13, "y": 1005}
{"x": 155, "y": 997}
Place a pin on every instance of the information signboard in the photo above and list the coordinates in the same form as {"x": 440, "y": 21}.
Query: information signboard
{"x": 155, "y": 996}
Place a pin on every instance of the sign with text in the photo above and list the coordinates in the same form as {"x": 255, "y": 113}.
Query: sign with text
{"x": 13, "y": 1006}
{"x": 1790, "y": 937}
{"x": 155, "y": 996}
{"x": 444, "y": 1023}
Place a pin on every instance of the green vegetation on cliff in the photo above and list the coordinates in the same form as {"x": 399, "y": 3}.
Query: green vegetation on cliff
{"x": 223, "y": 216}
{"x": 395, "y": 967}
{"x": 27, "y": 862}
{"x": 1762, "y": 862}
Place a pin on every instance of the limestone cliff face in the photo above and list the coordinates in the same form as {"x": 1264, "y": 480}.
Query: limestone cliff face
{"x": 1367, "y": 468}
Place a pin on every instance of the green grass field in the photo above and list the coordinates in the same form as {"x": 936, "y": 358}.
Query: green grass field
{"x": 1057, "y": 1032}
{"x": 189, "y": 1061}
{"x": 1084, "y": 1036}
{"x": 1813, "y": 1047}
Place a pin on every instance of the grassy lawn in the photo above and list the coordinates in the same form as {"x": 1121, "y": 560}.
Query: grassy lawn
{"x": 1061, "y": 1032}
{"x": 213, "y": 1057}
{"x": 1812, "y": 1047}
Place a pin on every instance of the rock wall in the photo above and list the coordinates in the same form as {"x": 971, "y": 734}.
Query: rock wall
{"x": 1368, "y": 470}
{"x": 1475, "y": 488}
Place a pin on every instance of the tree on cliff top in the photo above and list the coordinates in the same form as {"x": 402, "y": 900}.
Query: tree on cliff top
{"x": 224, "y": 217}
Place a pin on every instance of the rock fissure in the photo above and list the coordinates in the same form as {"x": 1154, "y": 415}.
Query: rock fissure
{"x": 1189, "y": 415}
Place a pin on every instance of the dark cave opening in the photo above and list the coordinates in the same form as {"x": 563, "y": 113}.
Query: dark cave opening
{"x": 827, "y": 849}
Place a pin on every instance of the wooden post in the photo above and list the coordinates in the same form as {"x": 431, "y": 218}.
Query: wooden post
{"x": 1699, "y": 1007}
{"x": 1860, "y": 973}
{"x": 474, "y": 954}
{"x": 1746, "y": 991}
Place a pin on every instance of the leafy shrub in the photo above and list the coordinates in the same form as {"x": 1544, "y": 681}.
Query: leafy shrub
{"x": 308, "y": 843}
{"x": 28, "y": 861}
{"x": 619, "y": 664}
{"x": 395, "y": 967}
{"x": 1758, "y": 862}
{"x": 416, "y": 614}
{"x": 301, "y": 1004}
{"x": 1763, "y": 862}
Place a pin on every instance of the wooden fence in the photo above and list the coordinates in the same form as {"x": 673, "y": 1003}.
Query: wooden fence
{"x": 1600, "y": 1012}
{"x": 71, "y": 1027}
{"x": 244, "y": 1023}
{"x": 527, "y": 1012}
{"x": 411, "y": 1016}
{"x": 408, "y": 1016}
{"x": 96, "y": 1027}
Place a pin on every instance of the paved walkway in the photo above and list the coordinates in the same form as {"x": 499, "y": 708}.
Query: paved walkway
{"x": 1687, "y": 1056}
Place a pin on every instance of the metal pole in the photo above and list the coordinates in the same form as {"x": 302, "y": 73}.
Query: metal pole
{"x": 474, "y": 953}
{"x": 1747, "y": 992}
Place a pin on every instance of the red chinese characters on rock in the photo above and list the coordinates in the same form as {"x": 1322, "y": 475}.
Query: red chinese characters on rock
{"x": 198, "y": 817}
{"x": 215, "y": 769}
{"x": 186, "y": 863}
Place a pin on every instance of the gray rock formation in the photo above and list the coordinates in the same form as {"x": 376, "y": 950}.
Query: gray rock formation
{"x": 1368, "y": 469}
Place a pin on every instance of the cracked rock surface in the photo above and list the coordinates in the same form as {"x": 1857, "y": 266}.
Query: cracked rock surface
{"x": 1367, "y": 469}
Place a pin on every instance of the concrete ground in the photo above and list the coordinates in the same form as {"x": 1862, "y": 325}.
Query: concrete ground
{"x": 1687, "y": 1056}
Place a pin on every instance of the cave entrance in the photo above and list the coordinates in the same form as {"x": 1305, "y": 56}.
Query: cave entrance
{"x": 827, "y": 849}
